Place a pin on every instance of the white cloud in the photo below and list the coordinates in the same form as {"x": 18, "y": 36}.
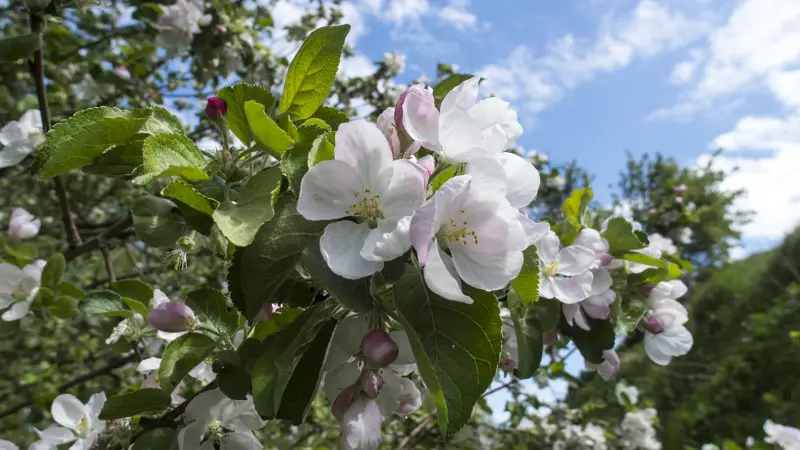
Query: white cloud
{"x": 456, "y": 14}
{"x": 649, "y": 29}
{"x": 401, "y": 11}
{"x": 684, "y": 71}
{"x": 786, "y": 87}
{"x": 356, "y": 66}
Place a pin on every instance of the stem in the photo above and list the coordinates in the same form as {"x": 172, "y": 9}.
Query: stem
{"x": 37, "y": 71}
{"x": 112, "y": 277}
{"x": 117, "y": 230}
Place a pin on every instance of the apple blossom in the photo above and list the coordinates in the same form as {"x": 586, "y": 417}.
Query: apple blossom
{"x": 365, "y": 183}
{"x": 509, "y": 355}
{"x": 371, "y": 383}
{"x": 597, "y": 305}
{"x": 172, "y": 317}
{"x": 216, "y": 108}
{"x": 160, "y": 301}
{"x": 564, "y": 272}
{"x": 679, "y": 200}
{"x": 505, "y": 175}
{"x": 666, "y": 336}
{"x": 179, "y": 23}
{"x": 7, "y": 445}
{"x": 557, "y": 182}
{"x": 80, "y": 423}
{"x": 122, "y": 72}
{"x": 131, "y": 329}
{"x": 461, "y": 129}
{"x": 394, "y": 62}
{"x": 685, "y": 235}
{"x": 482, "y": 233}
{"x": 20, "y": 138}
{"x": 361, "y": 425}
{"x": 609, "y": 368}
{"x": 625, "y": 391}
{"x": 680, "y": 189}
{"x": 22, "y": 224}
{"x": 592, "y": 240}
{"x": 663, "y": 244}
{"x": 785, "y": 437}
{"x": 214, "y": 419}
{"x": 18, "y": 288}
{"x": 379, "y": 349}
{"x": 637, "y": 430}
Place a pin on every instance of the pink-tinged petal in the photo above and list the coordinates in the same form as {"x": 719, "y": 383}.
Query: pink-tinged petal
{"x": 419, "y": 117}
{"x": 361, "y": 426}
{"x": 428, "y": 218}
{"x": 574, "y": 260}
{"x": 548, "y": 247}
{"x": 67, "y": 410}
{"x": 609, "y": 368}
{"x": 388, "y": 241}
{"x": 399, "y": 395}
{"x": 341, "y": 245}
{"x": 523, "y": 179}
{"x": 386, "y": 124}
{"x": 172, "y": 317}
{"x": 573, "y": 289}
{"x": 460, "y": 138}
{"x": 487, "y": 271}
{"x": 329, "y": 190}
{"x": 362, "y": 145}
{"x": 441, "y": 277}
{"x": 379, "y": 349}
{"x": 428, "y": 164}
{"x": 462, "y": 97}
{"x": 406, "y": 190}
{"x": 570, "y": 311}
{"x": 599, "y": 306}
{"x": 534, "y": 231}
{"x": 601, "y": 281}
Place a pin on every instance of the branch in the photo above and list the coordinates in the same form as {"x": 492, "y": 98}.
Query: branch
{"x": 105, "y": 370}
{"x": 505, "y": 385}
{"x": 167, "y": 419}
{"x": 97, "y": 242}
{"x": 37, "y": 71}
{"x": 415, "y": 433}
{"x": 112, "y": 277}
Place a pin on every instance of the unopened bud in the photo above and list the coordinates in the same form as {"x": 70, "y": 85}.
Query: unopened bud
{"x": 508, "y": 365}
{"x": 343, "y": 401}
{"x": 172, "y": 317}
{"x": 422, "y": 106}
{"x": 216, "y": 108}
{"x": 653, "y": 325}
{"x": 371, "y": 383}
{"x": 679, "y": 200}
{"x": 604, "y": 259}
{"x": 379, "y": 349}
{"x": 651, "y": 211}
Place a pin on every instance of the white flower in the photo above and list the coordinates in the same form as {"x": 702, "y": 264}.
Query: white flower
{"x": 203, "y": 372}
{"x": 482, "y": 233}
{"x": 361, "y": 425}
{"x": 594, "y": 436}
{"x": 609, "y": 368}
{"x": 130, "y": 329}
{"x": 666, "y": 335}
{"x": 179, "y": 23}
{"x": 564, "y": 272}
{"x": 20, "y": 138}
{"x": 624, "y": 390}
{"x": 685, "y": 235}
{"x": 662, "y": 244}
{"x": 387, "y": 124}
{"x": 787, "y": 438}
{"x": 7, "y": 445}
{"x": 638, "y": 432}
{"x": 709, "y": 447}
{"x": 557, "y": 182}
{"x": 362, "y": 182}
{"x": 79, "y": 422}
{"x": 597, "y": 305}
{"x": 592, "y": 240}
{"x": 462, "y": 129}
{"x": 18, "y": 288}
{"x": 214, "y": 418}
{"x": 22, "y": 224}
{"x": 149, "y": 368}
{"x": 122, "y": 72}
{"x": 505, "y": 175}
{"x": 395, "y": 62}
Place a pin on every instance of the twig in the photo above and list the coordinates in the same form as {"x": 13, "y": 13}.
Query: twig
{"x": 409, "y": 440}
{"x": 505, "y": 385}
{"x": 132, "y": 259}
{"x": 37, "y": 71}
{"x": 115, "y": 231}
{"x": 112, "y": 277}
{"x": 170, "y": 417}
{"x": 105, "y": 370}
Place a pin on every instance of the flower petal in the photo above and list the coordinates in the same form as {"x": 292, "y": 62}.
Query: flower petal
{"x": 329, "y": 190}
{"x": 361, "y": 425}
{"x": 487, "y": 271}
{"x": 405, "y": 355}
{"x": 421, "y": 119}
{"x": 191, "y": 435}
{"x": 10, "y": 276}
{"x": 56, "y": 435}
{"x": 523, "y": 179}
{"x": 427, "y": 219}
{"x": 460, "y": 137}
{"x": 406, "y": 190}
{"x": 12, "y": 132}
{"x": 339, "y": 379}
{"x": 362, "y": 145}
{"x": 440, "y": 276}
{"x": 601, "y": 281}
{"x": 67, "y": 410}
{"x": 31, "y": 121}
{"x": 341, "y": 245}
{"x": 573, "y": 289}
{"x": 547, "y": 248}
{"x": 462, "y": 97}
{"x": 17, "y": 311}
{"x": 533, "y": 230}
{"x": 574, "y": 260}
{"x": 15, "y": 153}
{"x": 387, "y": 126}
{"x": 240, "y": 441}
{"x": 388, "y": 241}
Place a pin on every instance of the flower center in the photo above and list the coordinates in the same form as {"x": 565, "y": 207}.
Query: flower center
{"x": 20, "y": 294}
{"x": 82, "y": 427}
{"x": 367, "y": 208}
{"x": 550, "y": 270}
{"x": 456, "y": 230}
{"x": 214, "y": 432}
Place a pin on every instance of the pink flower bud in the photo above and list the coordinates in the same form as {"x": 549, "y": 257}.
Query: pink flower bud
{"x": 343, "y": 401}
{"x": 423, "y": 106}
{"x": 379, "y": 349}
{"x": 172, "y": 317}
{"x": 604, "y": 258}
{"x": 216, "y": 108}
{"x": 651, "y": 211}
{"x": 680, "y": 189}
{"x": 679, "y": 200}
{"x": 371, "y": 383}
{"x": 508, "y": 365}
{"x": 653, "y": 325}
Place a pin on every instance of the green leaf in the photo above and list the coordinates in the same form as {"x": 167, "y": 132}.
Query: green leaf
{"x": 530, "y": 324}
{"x": 181, "y": 356}
{"x": 295, "y": 162}
{"x": 527, "y": 282}
{"x": 331, "y": 116}
{"x": 442, "y": 177}
{"x": 567, "y": 230}
{"x": 188, "y": 195}
{"x": 322, "y": 152}
{"x": 171, "y": 155}
{"x": 22, "y": 254}
{"x": 106, "y": 303}
{"x": 54, "y": 270}
{"x": 64, "y": 307}
{"x": 274, "y": 370}
{"x": 274, "y": 253}
{"x": 158, "y": 439}
{"x": 18, "y": 47}
{"x": 354, "y": 294}
{"x": 157, "y": 221}
{"x": 234, "y": 382}
{"x": 136, "y": 306}
{"x": 118, "y": 161}
{"x": 135, "y": 289}
{"x": 77, "y": 141}
{"x": 212, "y": 308}
{"x": 448, "y": 84}
{"x": 312, "y": 71}
{"x": 620, "y": 236}
{"x": 240, "y": 221}
{"x": 280, "y": 320}
{"x": 236, "y": 96}
{"x": 576, "y": 204}
{"x": 457, "y": 346}
{"x": 267, "y": 134}
{"x": 70, "y": 289}
{"x": 135, "y": 403}
{"x": 591, "y": 343}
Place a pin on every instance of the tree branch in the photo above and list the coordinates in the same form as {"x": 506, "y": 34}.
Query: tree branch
{"x": 415, "y": 433}
{"x": 97, "y": 242}
{"x": 112, "y": 277}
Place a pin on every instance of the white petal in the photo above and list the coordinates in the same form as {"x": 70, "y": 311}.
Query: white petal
{"x": 601, "y": 281}
{"x": 678, "y": 288}
{"x": 462, "y": 97}
{"x": 148, "y": 365}
{"x": 159, "y": 297}
{"x": 361, "y": 426}
{"x": 17, "y": 311}
{"x": 388, "y": 241}
{"x": 203, "y": 372}
{"x": 523, "y": 179}
{"x": 653, "y": 350}
{"x": 31, "y": 121}
{"x": 599, "y": 306}
{"x": 329, "y": 190}
{"x": 547, "y": 248}
{"x": 191, "y": 435}
{"x": 489, "y": 178}
{"x": 405, "y": 355}
{"x": 206, "y": 405}
{"x": 67, "y": 410}
{"x": 362, "y": 145}
{"x": 487, "y": 271}
{"x": 387, "y": 126}
{"x": 341, "y": 245}
{"x": 591, "y": 239}
{"x": 421, "y": 120}
{"x": 494, "y": 140}
{"x": 570, "y": 311}
{"x": 33, "y": 272}
{"x": 56, "y": 435}
{"x": 427, "y": 219}
{"x": 573, "y": 289}
{"x": 546, "y": 287}
{"x": 574, "y": 260}
{"x": 95, "y": 404}
{"x": 460, "y": 137}
{"x": 533, "y": 230}
{"x": 240, "y": 416}
{"x": 406, "y": 190}
{"x": 336, "y": 381}
{"x": 5, "y": 301}
{"x": 14, "y": 153}
{"x": 10, "y": 276}
{"x": 399, "y": 395}
{"x": 440, "y": 276}
{"x": 240, "y": 441}
{"x": 12, "y": 132}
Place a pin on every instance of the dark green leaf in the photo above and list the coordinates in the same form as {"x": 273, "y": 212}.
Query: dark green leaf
{"x": 212, "y": 309}
{"x": 267, "y": 134}
{"x": 64, "y": 307}
{"x": 70, "y": 289}
{"x": 188, "y": 195}
{"x": 280, "y": 320}
{"x": 54, "y": 270}
{"x": 158, "y": 439}
{"x": 18, "y": 47}
{"x": 234, "y": 382}
{"x": 240, "y": 221}
{"x": 157, "y": 221}
{"x": 527, "y": 282}
{"x": 181, "y": 356}
{"x": 312, "y": 71}
{"x": 530, "y": 324}
{"x": 457, "y": 346}
{"x": 591, "y": 343}
{"x": 354, "y": 294}
{"x": 106, "y": 303}
{"x": 171, "y": 155}
{"x": 133, "y": 288}
{"x": 236, "y": 96}
{"x": 135, "y": 403}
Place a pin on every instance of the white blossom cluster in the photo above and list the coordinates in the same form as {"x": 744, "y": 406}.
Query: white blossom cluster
{"x": 178, "y": 24}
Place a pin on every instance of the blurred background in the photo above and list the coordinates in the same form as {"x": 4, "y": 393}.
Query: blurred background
{"x": 684, "y": 115}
